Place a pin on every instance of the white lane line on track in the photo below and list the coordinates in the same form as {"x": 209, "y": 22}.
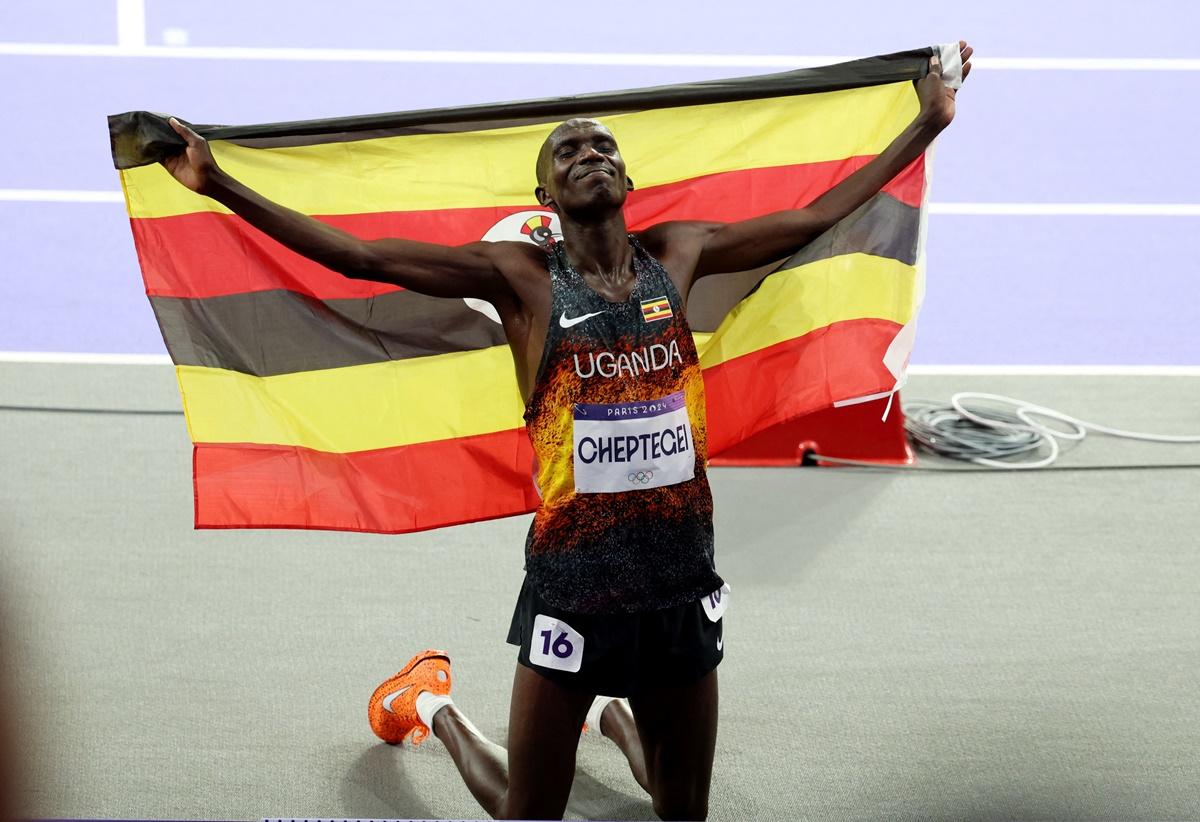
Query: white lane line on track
{"x": 563, "y": 57}
{"x": 34, "y": 195}
{"x": 70, "y": 358}
{"x": 1068, "y": 209}
{"x": 81, "y": 358}
{"x": 42, "y": 195}
{"x": 1056, "y": 370}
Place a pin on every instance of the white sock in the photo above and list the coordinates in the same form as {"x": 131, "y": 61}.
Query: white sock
{"x": 598, "y": 706}
{"x": 428, "y": 704}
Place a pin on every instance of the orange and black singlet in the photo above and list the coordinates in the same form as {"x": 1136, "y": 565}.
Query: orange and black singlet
{"x": 617, "y": 423}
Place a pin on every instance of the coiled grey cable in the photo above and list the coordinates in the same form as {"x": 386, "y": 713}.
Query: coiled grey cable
{"x": 985, "y": 434}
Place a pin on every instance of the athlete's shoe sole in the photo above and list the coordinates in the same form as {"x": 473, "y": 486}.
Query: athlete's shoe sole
{"x": 392, "y": 709}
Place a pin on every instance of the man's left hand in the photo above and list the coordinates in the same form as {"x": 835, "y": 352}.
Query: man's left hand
{"x": 937, "y": 99}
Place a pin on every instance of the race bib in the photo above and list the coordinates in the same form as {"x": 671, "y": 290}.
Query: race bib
{"x": 632, "y": 446}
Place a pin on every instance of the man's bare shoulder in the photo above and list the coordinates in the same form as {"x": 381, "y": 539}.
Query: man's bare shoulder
{"x": 678, "y": 245}
{"x": 675, "y": 236}
{"x": 522, "y": 265}
{"x": 509, "y": 253}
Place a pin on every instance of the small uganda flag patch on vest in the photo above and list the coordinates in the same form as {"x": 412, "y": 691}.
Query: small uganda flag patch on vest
{"x": 657, "y": 309}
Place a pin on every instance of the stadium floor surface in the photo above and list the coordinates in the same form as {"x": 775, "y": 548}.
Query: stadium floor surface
{"x": 899, "y": 646}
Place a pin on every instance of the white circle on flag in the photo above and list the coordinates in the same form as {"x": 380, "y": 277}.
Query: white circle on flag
{"x": 524, "y": 226}
{"x": 528, "y": 226}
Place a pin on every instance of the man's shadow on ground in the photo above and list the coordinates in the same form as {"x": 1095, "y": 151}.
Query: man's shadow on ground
{"x": 376, "y": 786}
{"x": 592, "y": 799}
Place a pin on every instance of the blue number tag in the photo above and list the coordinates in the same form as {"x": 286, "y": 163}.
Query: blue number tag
{"x": 555, "y": 644}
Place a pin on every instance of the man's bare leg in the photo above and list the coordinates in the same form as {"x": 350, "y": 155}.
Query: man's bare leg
{"x": 532, "y": 779}
{"x": 678, "y": 729}
{"x": 616, "y": 723}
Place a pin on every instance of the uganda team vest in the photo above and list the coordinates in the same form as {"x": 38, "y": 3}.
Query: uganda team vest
{"x": 617, "y": 423}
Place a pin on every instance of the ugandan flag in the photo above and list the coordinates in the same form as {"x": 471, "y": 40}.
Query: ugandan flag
{"x": 315, "y": 401}
{"x": 658, "y": 308}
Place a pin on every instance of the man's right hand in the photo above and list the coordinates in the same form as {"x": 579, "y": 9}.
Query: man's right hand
{"x": 473, "y": 270}
{"x": 194, "y": 166}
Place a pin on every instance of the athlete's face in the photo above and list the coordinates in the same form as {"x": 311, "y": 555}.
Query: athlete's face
{"x": 580, "y": 169}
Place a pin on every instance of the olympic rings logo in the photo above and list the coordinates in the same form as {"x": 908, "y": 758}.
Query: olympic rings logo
{"x": 640, "y": 477}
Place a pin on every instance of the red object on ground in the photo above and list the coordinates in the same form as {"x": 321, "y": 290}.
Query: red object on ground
{"x": 856, "y": 432}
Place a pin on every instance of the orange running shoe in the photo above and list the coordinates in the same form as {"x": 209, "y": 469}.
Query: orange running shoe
{"x": 393, "y": 707}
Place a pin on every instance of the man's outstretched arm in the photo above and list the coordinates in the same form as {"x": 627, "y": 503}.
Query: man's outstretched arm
{"x": 436, "y": 270}
{"x": 750, "y": 243}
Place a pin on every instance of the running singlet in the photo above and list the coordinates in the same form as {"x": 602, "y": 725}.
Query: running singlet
{"x": 617, "y": 423}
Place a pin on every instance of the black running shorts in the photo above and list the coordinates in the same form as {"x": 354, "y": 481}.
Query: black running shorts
{"x": 619, "y": 654}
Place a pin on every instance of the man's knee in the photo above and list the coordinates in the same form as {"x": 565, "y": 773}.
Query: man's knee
{"x": 681, "y": 808}
{"x": 681, "y": 801}
{"x": 532, "y": 805}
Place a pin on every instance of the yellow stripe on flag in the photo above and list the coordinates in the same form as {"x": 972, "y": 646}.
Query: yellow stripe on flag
{"x": 791, "y": 303}
{"x": 381, "y": 405}
{"x": 358, "y": 408}
{"x": 496, "y": 167}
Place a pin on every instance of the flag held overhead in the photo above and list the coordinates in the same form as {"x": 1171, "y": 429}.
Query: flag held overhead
{"x": 317, "y": 401}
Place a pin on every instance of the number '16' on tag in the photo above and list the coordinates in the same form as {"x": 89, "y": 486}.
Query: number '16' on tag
{"x": 555, "y": 644}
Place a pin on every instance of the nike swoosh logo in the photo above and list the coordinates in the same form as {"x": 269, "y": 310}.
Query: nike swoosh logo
{"x": 567, "y": 322}
{"x": 720, "y": 643}
{"x": 390, "y": 698}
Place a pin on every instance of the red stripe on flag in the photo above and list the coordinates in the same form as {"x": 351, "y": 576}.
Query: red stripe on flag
{"x": 391, "y": 490}
{"x": 208, "y": 254}
{"x": 740, "y": 195}
{"x": 749, "y": 394}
